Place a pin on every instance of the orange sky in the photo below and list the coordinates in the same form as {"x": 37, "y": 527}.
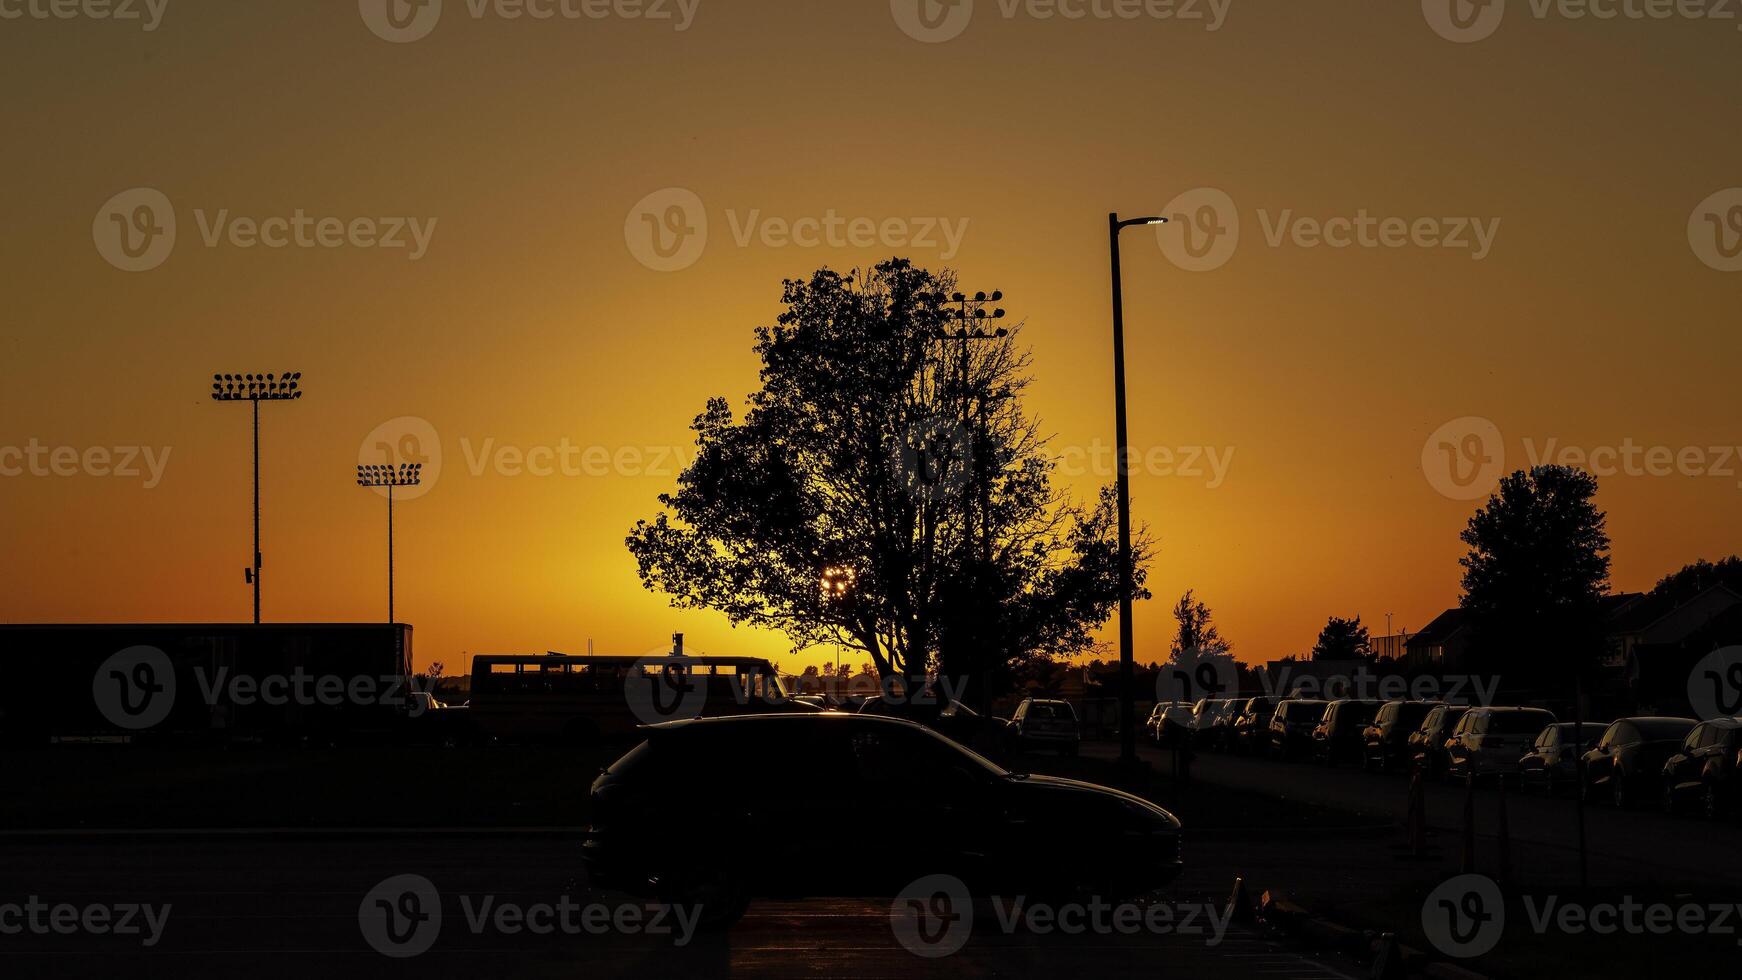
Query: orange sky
{"x": 1591, "y": 317}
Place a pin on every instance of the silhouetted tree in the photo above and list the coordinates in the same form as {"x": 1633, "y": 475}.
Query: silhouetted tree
{"x": 1536, "y": 573}
{"x": 1691, "y": 580}
{"x": 1342, "y": 639}
{"x": 1198, "y": 655}
{"x": 836, "y": 509}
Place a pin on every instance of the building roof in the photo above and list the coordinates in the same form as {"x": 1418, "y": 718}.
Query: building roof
{"x": 1440, "y": 630}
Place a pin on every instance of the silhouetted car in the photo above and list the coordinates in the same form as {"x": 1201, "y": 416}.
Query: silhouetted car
{"x": 1627, "y": 764}
{"x": 1707, "y": 770}
{"x": 1551, "y": 763}
{"x": 1338, "y": 734}
{"x": 1385, "y": 740}
{"x": 1202, "y": 714}
{"x": 1170, "y": 723}
{"x": 1044, "y": 724}
{"x": 1252, "y": 724}
{"x": 1490, "y": 741}
{"x": 1427, "y": 744}
{"x": 993, "y": 829}
{"x": 1291, "y": 726}
{"x": 1218, "y": 724}
{"x": 948, "y": 717}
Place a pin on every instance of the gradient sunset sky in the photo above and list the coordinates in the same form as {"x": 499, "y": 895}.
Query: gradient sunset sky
{"x": 1600, "y": 314}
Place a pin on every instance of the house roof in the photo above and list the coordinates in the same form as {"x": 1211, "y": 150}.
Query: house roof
{"x": 1440, "y": 630}
{"x": 1649, "y": 611}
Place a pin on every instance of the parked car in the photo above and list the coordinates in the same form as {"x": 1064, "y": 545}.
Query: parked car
{"x": 1427, "y": 744}
{"x": 1252, "y": 724}
{"x": 1169, "y": 723}
{"x": 1490, "y": 741}
{"x": 1291, "y": 726}
{"x": 1216, "y": 732}
{"x": 1385, "y": 741}
{"x": 1708, "y": 769}
{"x": 1337, "y": 736}
{"x": 1550, "y": 764}
{"x": 981, "y": 822}
{"x": 1043, "y": 724}
{"x": 950, "y": 717}
{"x": 1202, "y": 713}
{"x": 1627, "y": 764}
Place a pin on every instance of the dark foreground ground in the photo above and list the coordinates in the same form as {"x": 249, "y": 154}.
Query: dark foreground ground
{"x": 290, "y": 908}
{"x": 266, "y": 858}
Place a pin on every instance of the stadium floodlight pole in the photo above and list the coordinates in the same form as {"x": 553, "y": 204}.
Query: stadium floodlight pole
{"x": 404, "y": 475}
{"x": 971, "y": 316}
{"x": 254, "y": 389}
{"x": 1127, "y": 672}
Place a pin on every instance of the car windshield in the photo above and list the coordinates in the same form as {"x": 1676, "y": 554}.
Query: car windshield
{"x": 1051, "y": 712}
{"x": 1303, "y": 711}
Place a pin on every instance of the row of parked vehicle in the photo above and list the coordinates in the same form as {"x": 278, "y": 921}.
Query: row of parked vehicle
{"x": 1675, "y": 763}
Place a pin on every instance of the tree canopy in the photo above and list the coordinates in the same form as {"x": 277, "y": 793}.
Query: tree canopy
{"x": 884, "y": 491}
{"x": 1536, "y": 571}
{"x": 1342, "y": 639}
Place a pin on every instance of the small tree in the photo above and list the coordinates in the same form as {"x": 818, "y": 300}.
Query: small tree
{"x": 1200, "y": 663}
{"x": 1342, "y": 639}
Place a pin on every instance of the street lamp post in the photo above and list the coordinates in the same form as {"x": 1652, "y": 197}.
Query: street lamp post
{"x": 254, "y": 389}
{"x": 404, "y": 475}
{"x": 1127, "y": 706}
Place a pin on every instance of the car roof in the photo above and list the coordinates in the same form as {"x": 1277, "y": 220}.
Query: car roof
{"x": 721, "y": 725}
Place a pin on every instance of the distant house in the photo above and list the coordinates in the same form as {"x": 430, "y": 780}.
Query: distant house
{"x": 1441, "y": 644}
{"x": 1652, "y": 642}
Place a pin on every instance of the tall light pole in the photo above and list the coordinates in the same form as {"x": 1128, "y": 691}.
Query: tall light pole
{"x": 1127, "y": 706}
{"x": 404, "y": 475}
{"x": 254, "y": 389}
{"x": 970, "y": 315}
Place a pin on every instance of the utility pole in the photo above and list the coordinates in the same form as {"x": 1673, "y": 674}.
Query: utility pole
{"x": 254, "y": 389}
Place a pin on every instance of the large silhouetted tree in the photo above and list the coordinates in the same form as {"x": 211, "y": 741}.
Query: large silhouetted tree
{"x": 1535, "y": 574}
{"x": 846, "y": 505}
